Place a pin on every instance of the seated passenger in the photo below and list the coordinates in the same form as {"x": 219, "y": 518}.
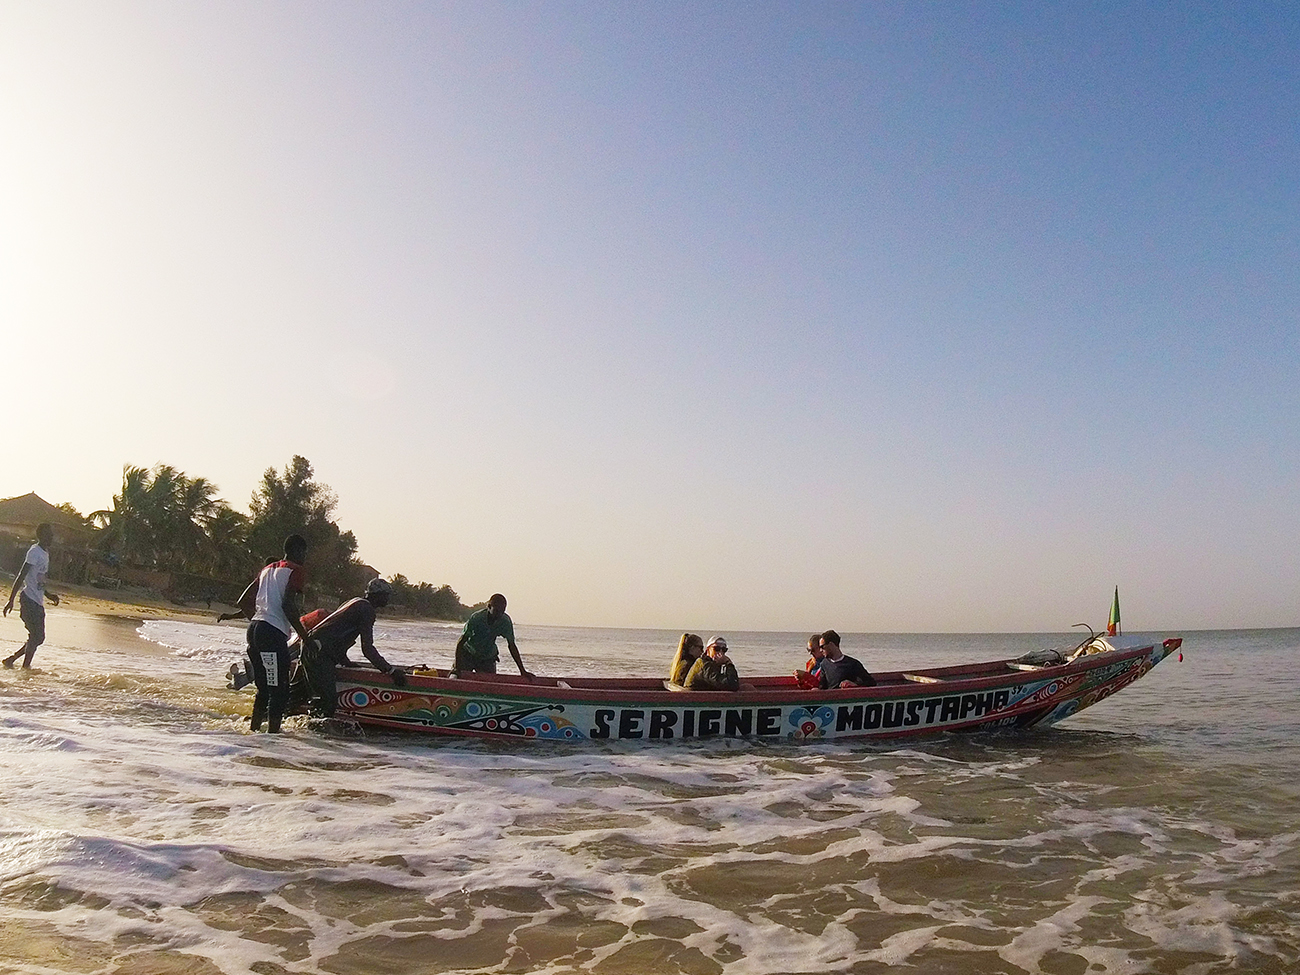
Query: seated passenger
{"x": 838, "y": 670}
{"x": 810, "y": 676}
{"x": 689, "y": 649}
{"x": 713, "y": 671}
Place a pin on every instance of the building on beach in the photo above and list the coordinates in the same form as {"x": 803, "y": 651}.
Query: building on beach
{"x": 72, "y": 557}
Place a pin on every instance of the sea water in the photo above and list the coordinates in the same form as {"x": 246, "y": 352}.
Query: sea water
{"x": 144, "y": 829}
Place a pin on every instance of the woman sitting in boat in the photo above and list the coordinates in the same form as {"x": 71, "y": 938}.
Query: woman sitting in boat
{"x": 689, "y": 649}
{"x": 713, "y": 671}
{"x": 810, "y": 676}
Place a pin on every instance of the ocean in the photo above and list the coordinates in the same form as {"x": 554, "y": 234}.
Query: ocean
{"x": 143, "y": 829}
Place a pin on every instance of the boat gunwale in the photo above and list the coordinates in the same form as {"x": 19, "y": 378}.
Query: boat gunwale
{"x": 891, "y": 685}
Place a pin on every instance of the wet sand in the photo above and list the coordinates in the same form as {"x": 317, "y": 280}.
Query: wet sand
{"x": 134, "y": 604}
{"x": 87, "y": 620}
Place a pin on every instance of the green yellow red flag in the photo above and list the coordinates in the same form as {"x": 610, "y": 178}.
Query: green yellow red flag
{"x": 1112, "y": 625}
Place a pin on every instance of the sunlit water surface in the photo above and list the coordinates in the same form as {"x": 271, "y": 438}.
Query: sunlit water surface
{"x": 142, "y": 828}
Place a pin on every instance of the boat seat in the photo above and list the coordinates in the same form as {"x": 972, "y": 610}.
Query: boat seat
{"x": 922, "y": 679}
{"x": 1017, "y": 665}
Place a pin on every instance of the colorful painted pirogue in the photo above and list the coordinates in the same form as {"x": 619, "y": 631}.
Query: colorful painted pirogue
{"x": 1001, "y": 694}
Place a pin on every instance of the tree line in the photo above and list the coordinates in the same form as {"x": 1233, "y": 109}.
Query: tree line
{"x": 164, "y": 520}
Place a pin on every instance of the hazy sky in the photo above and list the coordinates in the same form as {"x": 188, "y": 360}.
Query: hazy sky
{"x": 881, "y": 316}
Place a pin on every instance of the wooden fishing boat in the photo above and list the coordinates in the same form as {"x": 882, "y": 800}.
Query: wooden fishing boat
{"x": 1001, "y": 694}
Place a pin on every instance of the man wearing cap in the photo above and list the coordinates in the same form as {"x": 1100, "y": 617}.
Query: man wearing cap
{"x": 29, "y": 588}
{"x": 327, "y": 645}
{"x": 476, "y": 650}
{"x": 713, "y": 671}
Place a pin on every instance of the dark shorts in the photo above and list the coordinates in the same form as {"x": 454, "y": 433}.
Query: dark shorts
{"x": 32, "y": 614}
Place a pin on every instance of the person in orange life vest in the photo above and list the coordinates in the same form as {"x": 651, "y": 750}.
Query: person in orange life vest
{"x": 810, "y": 676}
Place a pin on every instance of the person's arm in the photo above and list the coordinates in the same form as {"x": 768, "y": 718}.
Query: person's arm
{"x": 372, "y": 653}
{"x": 730, "y": 679}
{"x": 18, "y": 584}
{"x": 857, "y": 676}
{"x": 368, "y": 647}
{"x": 509, "y": 634}
{"x": 519, "y": 661}
{"x": 696, "y": 678}
{"x": 292, "y": 606}
{"x": 456, "y": 654}
{"x": 246, "y": 603}
{"x": 862, "y": 676}
{"x": 43, "y": 578}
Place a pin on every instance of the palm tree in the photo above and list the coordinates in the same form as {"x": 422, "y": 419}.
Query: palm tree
{"x": 163, "y": 519}
{"x": 193, "y": 505}
{"x": 125, "y": 526}
{"x": 227, "y": 543}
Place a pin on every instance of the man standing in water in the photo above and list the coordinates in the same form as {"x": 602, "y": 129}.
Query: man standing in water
{"x": 278, "y": 608}
{"x": 31, "y": 579}
{"x": 476, "y": 650}
{"x": 329, "y": 641}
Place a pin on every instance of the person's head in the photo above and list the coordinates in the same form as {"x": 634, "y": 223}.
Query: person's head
{"x": 830, "y": 644}
{"x": 690, "y": 645}
{"x": 717, "y": 647}
{"x": 378, "y": 592}
{"x": 496, "y": 605}
{"x": 45, "y": 534}
{"x": 815, "y": 646}
{"x": 295, "y": 548}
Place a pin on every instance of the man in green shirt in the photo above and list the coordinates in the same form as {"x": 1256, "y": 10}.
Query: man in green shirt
{"x": 476, "y": 650}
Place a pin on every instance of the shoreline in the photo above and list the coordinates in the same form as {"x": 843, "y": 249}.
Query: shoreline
{"x": 131, "y": 604}
{"x": 141, "y": 604}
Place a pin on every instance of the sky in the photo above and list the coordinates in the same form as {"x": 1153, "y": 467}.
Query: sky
{"x": 888, "y": 317}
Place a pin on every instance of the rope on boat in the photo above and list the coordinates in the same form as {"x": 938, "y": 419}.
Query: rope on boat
{"x": 1082, "y": 647}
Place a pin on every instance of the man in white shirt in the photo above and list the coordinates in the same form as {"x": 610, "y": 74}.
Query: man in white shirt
{"x": 31, "y": 581}
{"x": 277, "y": 614}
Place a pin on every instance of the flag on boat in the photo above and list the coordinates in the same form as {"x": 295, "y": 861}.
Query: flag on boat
{"x": 1112, "y": 625}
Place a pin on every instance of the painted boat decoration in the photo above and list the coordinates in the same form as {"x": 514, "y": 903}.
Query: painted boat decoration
{"x": 1001, "y": 694}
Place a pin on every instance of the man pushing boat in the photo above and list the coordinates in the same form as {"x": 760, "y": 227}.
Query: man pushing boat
{"x": 476, "y": 650}
{"x": 328, "y": 642}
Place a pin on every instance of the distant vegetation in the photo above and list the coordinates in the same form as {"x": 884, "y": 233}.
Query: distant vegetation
{"x": 165, "y": 521}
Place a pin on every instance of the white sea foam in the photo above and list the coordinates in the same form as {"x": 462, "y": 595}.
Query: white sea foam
{"x": 202, "y": 641}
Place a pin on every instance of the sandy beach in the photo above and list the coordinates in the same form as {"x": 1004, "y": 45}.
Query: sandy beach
{"x": 88, "y": 618}
{"x": 130, "y": 603}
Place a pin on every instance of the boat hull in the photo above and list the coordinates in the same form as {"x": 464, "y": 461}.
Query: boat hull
{"x": 979, "y": 697}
